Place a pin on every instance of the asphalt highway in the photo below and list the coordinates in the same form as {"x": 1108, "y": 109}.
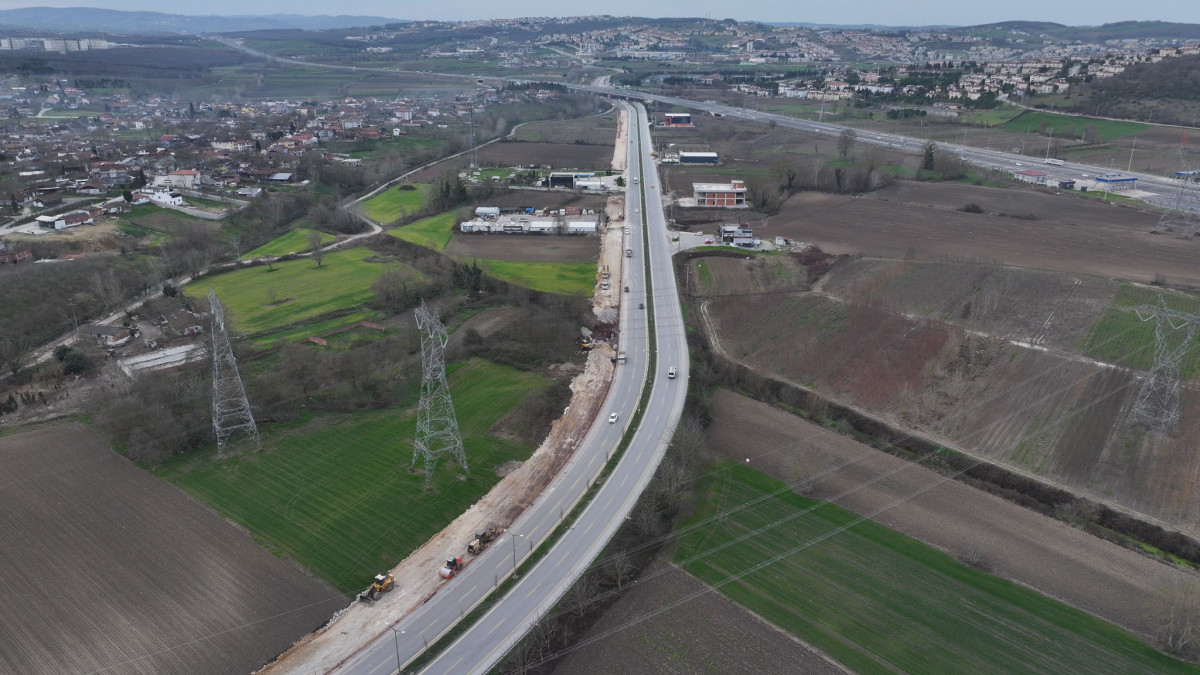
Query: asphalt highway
{"x": 1165, "y": 187}
{"x": 511, "y": 616}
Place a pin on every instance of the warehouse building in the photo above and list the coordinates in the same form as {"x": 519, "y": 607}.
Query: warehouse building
{"x": 677, "y": 120}
{"x": 699, "y": 158}
{"x": 526, "y": 225}
{"x": 731, "y": 194}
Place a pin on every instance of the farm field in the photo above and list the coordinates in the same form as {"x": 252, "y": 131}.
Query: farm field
{"x": 593, "y": 130}
{"x": 737, "y": 276}
{"x": 1047, "y": 308}
{"x": 259, "y": 299}
{"x": 396, "y": 202}
{"x": 432, "y": 232}
{"x": 564, "y": 278}
{"x": 336, "y": 493}
{"x": 1068, "y": 234}
{"x": 892, "y": 341}
{"x": 1067, "y": 126}
{"x": 557, "y": 155}
{"x": 295, "y": 241}
{"x": 117, "y": 571}
{"x": 713, "y": 634}
{"x": 1010, "y": 540}
{"x": 867, "y": 595}
{"x": 534, "y": 248}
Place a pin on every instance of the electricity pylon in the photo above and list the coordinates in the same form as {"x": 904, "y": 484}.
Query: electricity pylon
{"x": 230, "y": 408}
{"x": 437, "y": 426}
{"x": 1157, "y": 404}
{"x": 1180, "y": 215}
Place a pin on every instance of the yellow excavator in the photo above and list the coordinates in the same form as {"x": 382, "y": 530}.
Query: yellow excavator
{"x": 383, "y": 583}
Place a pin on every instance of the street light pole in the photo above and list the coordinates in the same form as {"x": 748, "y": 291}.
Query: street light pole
{"x": 514, "y": 552}
{"x": 396, "y": 642}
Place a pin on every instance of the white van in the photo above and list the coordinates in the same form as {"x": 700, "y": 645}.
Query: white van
{"x": 671, "y": 372}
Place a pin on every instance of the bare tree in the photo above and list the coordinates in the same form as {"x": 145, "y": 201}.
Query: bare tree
{"x": 1175, "y": 610}
{"x": 13, "y": 353}
{"x": 846, "y": 142}
{"x": 315, "y": 243}
{"x": 785, "y": 169}
{"x": 618, "y": 567}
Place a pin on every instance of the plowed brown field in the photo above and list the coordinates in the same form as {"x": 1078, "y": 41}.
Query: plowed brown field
{"x": 107, "y": 568}
{"x": 1069, "y": 234}
{"x": 1052, "y": 413}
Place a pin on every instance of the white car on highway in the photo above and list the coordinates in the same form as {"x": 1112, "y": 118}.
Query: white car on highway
{"x": 612, "y": 418}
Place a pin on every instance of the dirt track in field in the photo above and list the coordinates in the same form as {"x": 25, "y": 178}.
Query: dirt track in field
{"x": 712, "y": 634}
{"x": 107, "y": 568}
{"x": 1047, "y": 555}
{"x": 531, "y": 247}
{"x": 1070, "y": 234}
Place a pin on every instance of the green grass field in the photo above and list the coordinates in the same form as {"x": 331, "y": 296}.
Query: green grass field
{"x": 259, "y": 299}
{"x": 295, "y": 241}
{"x": 432, "y": 232}
{"x": 989, "y": 118}
{"x": 311, "y": 328}
{"x": 392, "y": 203}
{"x": 335, "y": 492}
{"x": 1066, "y": 126}
{"x": 1119, "y": 335}
{"x": 564, "y": 278}
{"x": 880, "y": 602}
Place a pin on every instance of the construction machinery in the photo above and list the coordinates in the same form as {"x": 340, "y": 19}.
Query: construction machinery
{"x": 382, "y": 584}
{"x": 481, "y": 541}
{"x": 452, "y": 566}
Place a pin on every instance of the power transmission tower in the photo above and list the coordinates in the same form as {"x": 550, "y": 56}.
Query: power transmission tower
{"x": 437, "y": 427}
{"x": 230, "y": 407}
{"x": 1157, "y": 404}
{"x": 1180, "y": 215}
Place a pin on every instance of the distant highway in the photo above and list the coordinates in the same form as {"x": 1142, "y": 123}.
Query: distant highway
{"x": 485, "y": 643}
{"x": 1165, "y": 187}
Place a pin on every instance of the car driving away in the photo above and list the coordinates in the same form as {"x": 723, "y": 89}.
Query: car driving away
{"x": 612, "y": 418}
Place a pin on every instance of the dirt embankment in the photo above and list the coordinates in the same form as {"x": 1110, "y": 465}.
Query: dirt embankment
{"x": 1045, "y": 554}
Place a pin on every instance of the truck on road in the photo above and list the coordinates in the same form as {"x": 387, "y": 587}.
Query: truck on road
{"x": 621, "y": 356}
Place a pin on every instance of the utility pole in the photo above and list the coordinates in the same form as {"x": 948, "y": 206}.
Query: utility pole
{"x": 230, "y": 408}
{"x": 472, "y": 159}
{"x": 1131, "y": 149}
{"x": 437, "y": 426}
{"x": 1048, "y": 142}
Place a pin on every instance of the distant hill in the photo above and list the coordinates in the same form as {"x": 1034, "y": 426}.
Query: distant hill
{"x": 1167, "y": 91}
{"x": 93, "y": 20}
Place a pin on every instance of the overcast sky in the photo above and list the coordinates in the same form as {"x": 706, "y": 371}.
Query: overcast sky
{"x": 885, "y": 12}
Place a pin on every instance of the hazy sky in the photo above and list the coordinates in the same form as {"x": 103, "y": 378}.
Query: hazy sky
{"x": 887, "y": 12}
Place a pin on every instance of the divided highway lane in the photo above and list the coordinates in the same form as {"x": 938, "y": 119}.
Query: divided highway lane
{"x": 978, "y": 156}
{"x": 494, "y": 634}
